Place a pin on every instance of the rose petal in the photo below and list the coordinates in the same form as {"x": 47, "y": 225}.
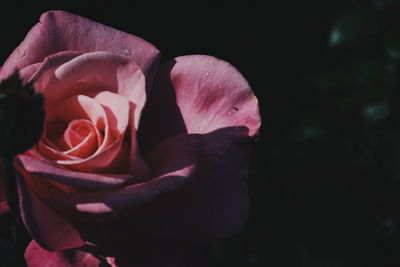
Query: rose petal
{"x": 109, "y": 155}
{"x": 96, "y": 71}
{"x": 83, "y": 138}
{"x": 213, "y": 205}
{"x": 198, "y": 94}
{"x": 110, "y": 160}
{"x": 172, "y": 164}
{"x": 82, "y": 180}
{"x": 53, "y": 154}
{"x": 81, "y": 107}
{"x": 61, "y": 31}
{"x": 118, "y": 108}
{"x": 46, "y": 227}
{"x": 26, "y": 73}
{"x": 44, "y": 73}
{"x": 36, "y": 256}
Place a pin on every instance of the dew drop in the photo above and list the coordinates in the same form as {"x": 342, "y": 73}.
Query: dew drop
{"x": 23, "y": 53}
{"x": 232, "y": 111}
{"x": 208, "y": 74}
{"x": 125, "y": 51}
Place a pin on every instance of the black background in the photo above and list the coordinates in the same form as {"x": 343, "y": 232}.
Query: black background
{"x": 325, "y": 176}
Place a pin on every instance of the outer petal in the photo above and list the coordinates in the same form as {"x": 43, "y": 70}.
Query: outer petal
{"x": 213, "y": 205}
{"x": 61, "y": 31}
{"x": 36, "y": 256}
{"x": 198, "y": 94}
{"x": 80, "y": 180}
{"x": 172, "y": 164}
{"x": 48, "y": 228}
{"x": 28, "y": 71}
{"x": 66, "y": 74}
{"x": 201, "y": 94}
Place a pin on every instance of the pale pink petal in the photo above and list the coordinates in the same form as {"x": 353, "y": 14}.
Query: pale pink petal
{"x": 82, "y": 138}
{"x": 44, "y": 74}
{"x": 61, "y": 31}
{"x": 97, "y": 71}
{"x": 198, "y": 94}
{"x": 123, "y": 112}
{"x": 118, "y": 108}
{"x": 46, "y": 227}
{"x": 35, "y": 256}
{"x": 81, "y": 107}
{"x": 51, "y": 153}
{"x": 112, "y": 159}
{"x": 171, "y": 164}
{"x": 109, "y": 154}
{"x": 80, "y": 180}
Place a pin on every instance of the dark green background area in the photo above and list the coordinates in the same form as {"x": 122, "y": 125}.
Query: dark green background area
{"x": 325, "y": 177}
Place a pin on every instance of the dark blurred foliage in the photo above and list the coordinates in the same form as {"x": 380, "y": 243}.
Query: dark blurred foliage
{"x": 325, "y": 178}
{"x": 21, "y": 116}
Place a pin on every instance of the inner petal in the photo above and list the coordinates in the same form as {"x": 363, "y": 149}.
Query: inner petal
{"x": 76, "y": 132}
{"x": 82, "y": 138}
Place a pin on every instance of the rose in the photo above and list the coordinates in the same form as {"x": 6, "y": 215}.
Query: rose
{"x": 136, "y": 158}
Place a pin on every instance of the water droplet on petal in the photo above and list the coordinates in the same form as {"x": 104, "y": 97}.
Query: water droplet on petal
{"x": 232, "y": 111}
{"x": 208, "y": 74}
{"x": 125, "y": 51}
{"x": 23, "y": 53}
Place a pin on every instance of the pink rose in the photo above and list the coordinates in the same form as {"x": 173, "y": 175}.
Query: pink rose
{"x": 139, "y": 162}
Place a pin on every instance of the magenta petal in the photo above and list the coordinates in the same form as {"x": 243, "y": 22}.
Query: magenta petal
{"x": 27, "y": 72}
{"x": 47, "y": 67}
{"x": 46, "y": 227}
{"x": 172, "y": 164}
{"x": 61, "y": 31}
{"x": 213, "y": 205}
{"x": 198, "y": 94}
{"x": 82, "y": 180}
{"x": 36, "y": 256}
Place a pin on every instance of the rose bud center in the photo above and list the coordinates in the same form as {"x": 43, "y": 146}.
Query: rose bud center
{"x": 82, "y": 138}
